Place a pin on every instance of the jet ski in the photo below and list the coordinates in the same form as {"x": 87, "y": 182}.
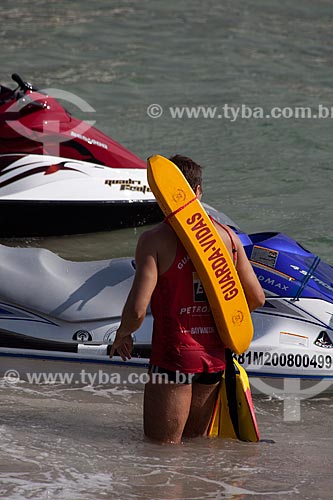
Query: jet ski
{"x": 67, "y": 313}
{"x": 60, "y": 175}
{"x": 48, "y": 195}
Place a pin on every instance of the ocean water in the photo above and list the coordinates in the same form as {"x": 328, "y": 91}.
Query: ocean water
{"x": 76, "y": 444}
{"x": 60, "y": 442}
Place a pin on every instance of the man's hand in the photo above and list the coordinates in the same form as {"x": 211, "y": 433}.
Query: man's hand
{"x": 123, "y": 344}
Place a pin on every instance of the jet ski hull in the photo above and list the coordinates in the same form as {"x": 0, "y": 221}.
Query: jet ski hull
{"x": 50, "y": 218}
{"x": 48, "y": 195}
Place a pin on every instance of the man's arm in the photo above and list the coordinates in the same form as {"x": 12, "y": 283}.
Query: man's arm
{"x": 139, "y": 296}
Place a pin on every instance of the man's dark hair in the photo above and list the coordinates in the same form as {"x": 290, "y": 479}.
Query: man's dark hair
{"x": 191, "y": 170}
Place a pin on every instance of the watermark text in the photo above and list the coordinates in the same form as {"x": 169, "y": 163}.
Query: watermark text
{"x": 232, "y": 113}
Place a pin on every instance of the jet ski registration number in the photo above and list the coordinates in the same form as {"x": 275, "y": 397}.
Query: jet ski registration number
{"x": 290, "y": 360}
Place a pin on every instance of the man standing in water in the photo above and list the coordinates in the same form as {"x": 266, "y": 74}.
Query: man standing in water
{"x": 188, "y": 356}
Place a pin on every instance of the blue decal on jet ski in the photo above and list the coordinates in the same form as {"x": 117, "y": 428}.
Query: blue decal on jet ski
{"x": 272, "y": 283}
{"x": 12, "y": 313}
{"x": 4, "y": 312}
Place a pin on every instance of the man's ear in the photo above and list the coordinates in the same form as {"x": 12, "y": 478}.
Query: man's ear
{"x": 198, "y": 190}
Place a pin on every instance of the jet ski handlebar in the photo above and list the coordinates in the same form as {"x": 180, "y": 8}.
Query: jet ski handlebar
{"x": 8, "y": 94}
{"x": 23, "y": 85}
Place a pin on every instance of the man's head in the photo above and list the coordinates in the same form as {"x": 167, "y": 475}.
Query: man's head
{"x": 191, "y": 171}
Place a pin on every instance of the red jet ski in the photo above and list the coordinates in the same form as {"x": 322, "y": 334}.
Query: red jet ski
{"x": 28, "y": 119}
{"x": 59, "y": 174}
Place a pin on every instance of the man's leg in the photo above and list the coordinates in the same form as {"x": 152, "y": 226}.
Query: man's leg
{"x": 202, "y": 406}
{"x": 165, "y": 410}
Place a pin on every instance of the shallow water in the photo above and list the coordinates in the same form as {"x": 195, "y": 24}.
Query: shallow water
{"x": 70, "y": 443}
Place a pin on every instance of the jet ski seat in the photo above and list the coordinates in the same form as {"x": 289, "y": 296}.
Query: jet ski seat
{"x": 41, "y": 281}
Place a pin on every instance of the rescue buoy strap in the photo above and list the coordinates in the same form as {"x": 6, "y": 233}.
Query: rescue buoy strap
{"x": 180, "y": 208}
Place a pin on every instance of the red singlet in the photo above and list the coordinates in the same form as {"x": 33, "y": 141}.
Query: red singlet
{"x": 184, "y": 335}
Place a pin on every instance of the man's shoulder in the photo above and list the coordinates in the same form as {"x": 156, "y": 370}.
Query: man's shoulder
{"x": 159, "y": 231}
{"x": 156, "y": 235}
{"x": 225, "y": 232}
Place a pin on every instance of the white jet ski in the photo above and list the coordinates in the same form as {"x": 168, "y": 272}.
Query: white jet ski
{"x": 62, "y": 315}
{"x": 49, "y": 195}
